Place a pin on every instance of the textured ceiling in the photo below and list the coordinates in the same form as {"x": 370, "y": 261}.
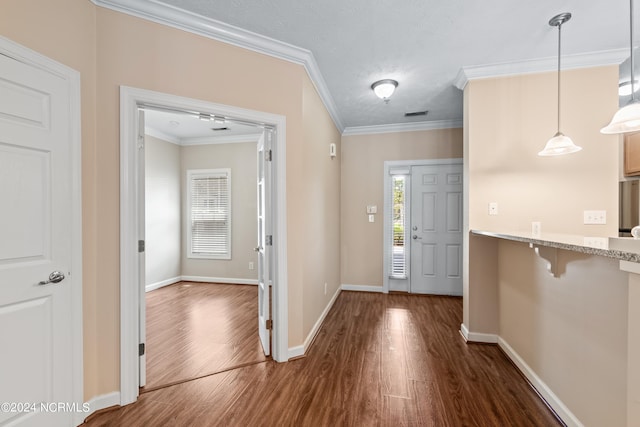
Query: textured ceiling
{"x": 421, "y": 43}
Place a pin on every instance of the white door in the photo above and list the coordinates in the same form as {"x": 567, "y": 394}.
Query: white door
{"x": 36, "y": 194}
{"x": 436, "y": 229}
{"x": 264, "y": 245}
{"x": 142, "y": 311}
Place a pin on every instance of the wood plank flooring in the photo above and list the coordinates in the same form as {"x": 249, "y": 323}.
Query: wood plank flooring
{"x": 196, "y": 329}
{"x": 379, "y": 360}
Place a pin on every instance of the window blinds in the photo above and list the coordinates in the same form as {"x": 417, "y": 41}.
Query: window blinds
{"x": 210, "y": 213}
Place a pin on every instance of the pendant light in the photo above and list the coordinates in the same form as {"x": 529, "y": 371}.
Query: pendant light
{"x": 627, "y": 119}
{"x": 560, "y": 143}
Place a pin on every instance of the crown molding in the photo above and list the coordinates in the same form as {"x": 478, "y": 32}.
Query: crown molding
{"x": 402, "y": 127}
{"x": 584, "y": 60}
{"x": 152, "y": 10}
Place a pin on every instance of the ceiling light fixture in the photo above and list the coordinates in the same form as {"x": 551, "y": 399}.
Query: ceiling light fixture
{"x": 626, "y": 119}
{"x": 560, "y": 143}
{"x": 384, "y": 88}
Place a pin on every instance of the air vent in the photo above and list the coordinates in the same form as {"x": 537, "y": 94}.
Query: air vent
{"x": 217, "y": 129}
{"x": 416, "y": 113}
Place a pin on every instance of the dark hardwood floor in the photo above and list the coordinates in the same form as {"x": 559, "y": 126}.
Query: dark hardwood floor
{"x": 379, "y": 360}
{"x": 196, "y": 329}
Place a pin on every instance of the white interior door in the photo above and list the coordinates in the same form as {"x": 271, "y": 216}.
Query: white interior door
{"x": 264, "y": 235}
{"x": 436, "y": 229}
{"x": 36, "y": 323}
{"x": 142, "y": 311}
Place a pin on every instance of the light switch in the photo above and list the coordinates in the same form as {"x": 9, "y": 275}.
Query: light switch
{"x": 372, "y": 209}
{"x": 493, "y": 208}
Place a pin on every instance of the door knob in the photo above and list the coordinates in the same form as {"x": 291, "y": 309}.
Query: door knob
{"x": 414, "y": 228}
{"x": 416, "y": 237}
{"x": 55, "y": 277}
{"x": 257, "y": 248}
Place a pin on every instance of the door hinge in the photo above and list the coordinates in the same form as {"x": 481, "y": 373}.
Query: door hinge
{"x": 269, "y": 324}
{"x": 268, "y": 240}
{"x": 140, "y": 245}
{"x": 268, "y": 155}
{"x": 141, "y": 349}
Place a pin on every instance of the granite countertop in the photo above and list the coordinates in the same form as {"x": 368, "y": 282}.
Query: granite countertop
{"x": 622, "y": 248}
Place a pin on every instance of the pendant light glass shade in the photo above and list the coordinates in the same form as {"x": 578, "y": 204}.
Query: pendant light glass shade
{"x": 558, "y": 145}
{"x": 627, "y": 119}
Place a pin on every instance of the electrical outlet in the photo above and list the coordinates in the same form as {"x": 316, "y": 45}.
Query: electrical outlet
{"x": 372, "y": 218}
{"x": 250, "y": 266}
{"x": 595, "y": 217}
{"x": 325, "y": 288}
{"x": 493, "y": 208}
{"x": 597, "y": 242}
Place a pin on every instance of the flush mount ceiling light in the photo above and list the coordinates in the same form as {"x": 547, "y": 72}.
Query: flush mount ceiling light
{"x": 560, "y": 143}
{"x": 627, "y": 119}
{"x": 384, "y": 88}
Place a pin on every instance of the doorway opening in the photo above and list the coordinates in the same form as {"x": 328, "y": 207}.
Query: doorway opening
{"x": 132, "y": 239}
{"x": 423, "y": 226}
{"x": 200, "y": 232}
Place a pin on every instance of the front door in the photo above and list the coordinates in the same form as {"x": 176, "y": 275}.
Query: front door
{"x": 436, "y": 229}
{"x": 36, "y": 292}
{"x": 264, "y": 244}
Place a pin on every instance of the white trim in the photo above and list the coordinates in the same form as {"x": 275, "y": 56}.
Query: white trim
{"x": 541, "y": 65}
{"x": 225, "y": 280}
{"x": 297, "y": 351}
{"x": 402, "y": 127}
{"x": 101, "y": 402}
{"x": 300, "y": 350}
{"x": 72, "y": 77}
{"x": 162, "y": 283}
{"x": 543, "y": 389}
{"x": 477, "y": 336}
{"x": 130, "y": 100}
{"x": 362, "y": 288}
{"x": 174, "y": 17}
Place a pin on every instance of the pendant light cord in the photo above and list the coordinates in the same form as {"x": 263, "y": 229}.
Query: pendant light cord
{"x": 559, "y": 44}
{"x": 633, "y": 91}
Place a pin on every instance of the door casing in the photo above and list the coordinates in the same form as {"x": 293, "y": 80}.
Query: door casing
{"x": 130, "y": 231}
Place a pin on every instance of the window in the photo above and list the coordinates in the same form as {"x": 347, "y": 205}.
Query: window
{"x": 209, "y": 213}
{"x": 398, "y": 227}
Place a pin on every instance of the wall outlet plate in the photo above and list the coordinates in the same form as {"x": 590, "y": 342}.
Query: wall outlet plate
{"x": 536, "y": 229}
{"x": 493, "y": 208}
{"x": 595, "y": 217}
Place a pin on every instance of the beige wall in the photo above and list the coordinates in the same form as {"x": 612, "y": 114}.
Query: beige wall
{"x": 510, "y": 119}
{"x": 363, "y": 158}
{"x": 111, "y": 49}
{"x": 571, "y": 330}
{"x": 320, "y": 218}
{"x": 162, "y": 210}
{"x": 241, "y": 159}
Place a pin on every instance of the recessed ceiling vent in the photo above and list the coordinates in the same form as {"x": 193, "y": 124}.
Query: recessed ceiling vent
{"x": 416, "y": 113}
{"x": 218, "y": 129}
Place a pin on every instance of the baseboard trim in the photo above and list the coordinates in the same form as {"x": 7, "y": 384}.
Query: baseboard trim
{"x": 362, "y": 288}
{"x": 301, "y": 350}
{"x": 162, "y": 284}
{"x": 477, "y": 337}
{"x": 99, "y": 403}
{"x": 545, "y": 392}
{"x": 225, "y": 280}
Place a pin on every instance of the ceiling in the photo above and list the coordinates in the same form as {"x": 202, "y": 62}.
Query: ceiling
{"x": 423, "y": 44}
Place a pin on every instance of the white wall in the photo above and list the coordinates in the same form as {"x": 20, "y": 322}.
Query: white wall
{"x": 162, "y": 211}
